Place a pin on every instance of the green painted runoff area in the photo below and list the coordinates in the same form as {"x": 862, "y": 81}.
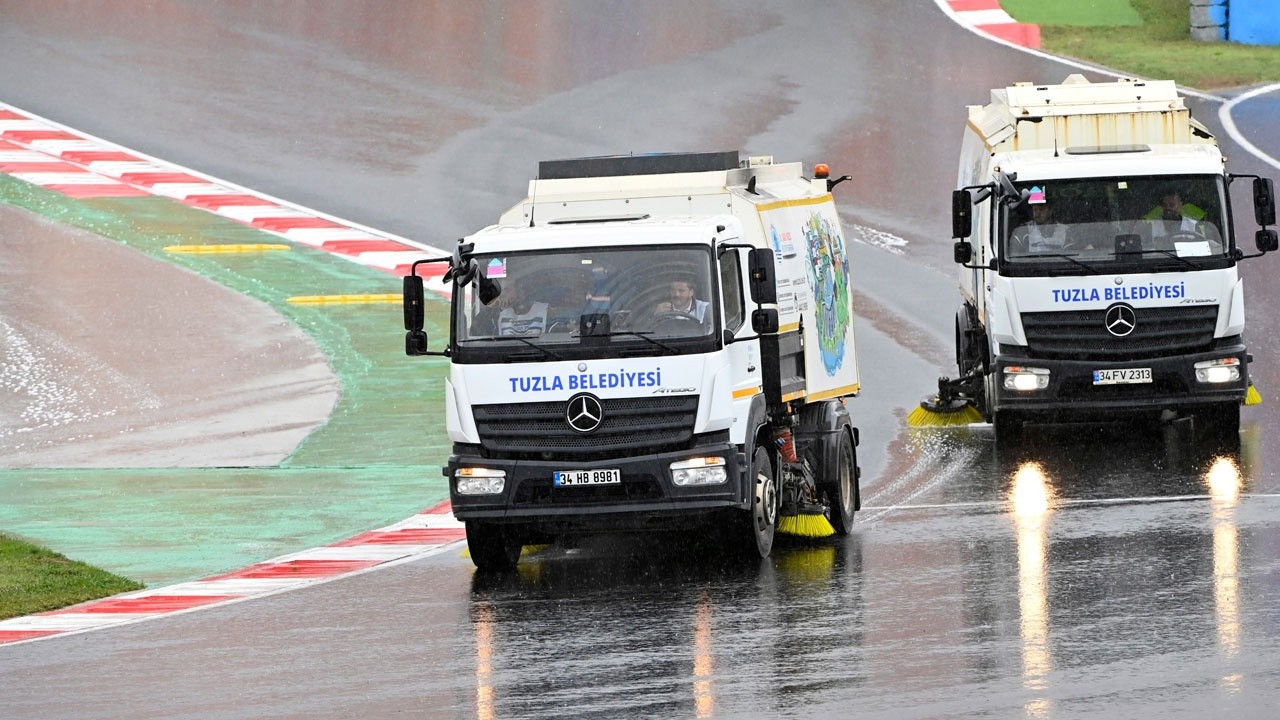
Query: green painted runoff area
{"x": 1144, "y": 38}
{"x": 1083, "y": 13}
{"x": 375, "y": 462}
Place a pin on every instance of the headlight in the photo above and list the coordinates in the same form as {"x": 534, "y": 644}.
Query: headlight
{"x": 699, "y": 471}
{"x": 1025, "y": 378}
{"x": 479, "y": 481}
{"x": 1222, "y": 370}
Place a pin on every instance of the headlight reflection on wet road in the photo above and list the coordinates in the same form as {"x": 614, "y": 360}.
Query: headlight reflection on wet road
{"x": 1224, "y": 482}
{"x": 703, "y": 665}
{"x": 484, "y": 662}
{"x": 1030, "y": 502}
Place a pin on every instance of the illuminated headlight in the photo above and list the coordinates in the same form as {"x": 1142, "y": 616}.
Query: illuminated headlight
{"x": 1024, "y": 379}
{"x": 1223, "y": 370}
{"x": 479, "y": 481}
{"x": 699, "y": 471}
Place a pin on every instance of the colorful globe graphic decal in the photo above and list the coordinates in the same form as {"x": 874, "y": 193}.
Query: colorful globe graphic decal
{"x": 829, "y": 278}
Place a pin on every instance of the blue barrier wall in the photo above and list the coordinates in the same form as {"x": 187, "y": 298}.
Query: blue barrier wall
{"x": 1253, "y": 22}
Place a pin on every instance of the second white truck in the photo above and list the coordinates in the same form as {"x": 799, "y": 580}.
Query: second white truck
{"x": 1098, "y": 261}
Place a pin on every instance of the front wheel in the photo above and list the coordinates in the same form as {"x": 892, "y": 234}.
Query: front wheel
{"x": 842, "y": 494}
{"x": 755, "y": 528}
{"x": 493, "y": 547}
{"x": 1218, "y": 423}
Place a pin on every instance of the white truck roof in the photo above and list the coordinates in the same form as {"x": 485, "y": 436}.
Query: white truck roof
{"x": 697, "y": 192}
{"x": 1078, "y": 113}
{"x": 642, "y": 231}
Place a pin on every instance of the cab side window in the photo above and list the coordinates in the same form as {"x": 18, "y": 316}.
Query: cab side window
{"x": 731, "y": 286}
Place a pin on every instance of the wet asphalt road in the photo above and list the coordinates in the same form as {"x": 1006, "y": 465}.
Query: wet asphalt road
{"x": 1108, "y": 571}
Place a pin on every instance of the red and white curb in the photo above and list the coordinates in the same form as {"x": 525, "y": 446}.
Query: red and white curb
{"x": 58, "y": 158}
{"x": 989, "y": 18}
{"x": 428, "y": 533}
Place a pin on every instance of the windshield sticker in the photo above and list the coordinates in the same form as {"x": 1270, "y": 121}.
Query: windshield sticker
{"x": 1036, "y": 195}
{"x": 497, "y": 268}
{"x": 586, "y": 381}
{"x": 1150, "y": 291}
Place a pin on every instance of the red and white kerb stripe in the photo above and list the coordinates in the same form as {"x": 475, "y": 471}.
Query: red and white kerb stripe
{"x": 58, "y": 158}
{"x": 986, "y": 16}
{"x": 424, "y": 534}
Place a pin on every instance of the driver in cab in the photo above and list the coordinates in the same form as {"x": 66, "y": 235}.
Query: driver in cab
{"x": 1042, "y": 233}
{"x": 682, "y": 300}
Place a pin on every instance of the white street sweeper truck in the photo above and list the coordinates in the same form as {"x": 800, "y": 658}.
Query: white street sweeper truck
{"x": 650, "y": 342}
{"x": 1098, "y": 262}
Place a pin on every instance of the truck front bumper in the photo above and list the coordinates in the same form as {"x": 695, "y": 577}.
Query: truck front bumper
{"x": 646, "y": 498}
{"x": 1071, "y": 390}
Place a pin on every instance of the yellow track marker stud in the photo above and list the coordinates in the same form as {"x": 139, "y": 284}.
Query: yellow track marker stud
{"x": 375, "y": 299}
{"x": 234, "y": 248}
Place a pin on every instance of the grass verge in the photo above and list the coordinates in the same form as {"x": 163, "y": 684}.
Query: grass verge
{"x": 33, "y": 579}
{"x": 1159, "y": 48}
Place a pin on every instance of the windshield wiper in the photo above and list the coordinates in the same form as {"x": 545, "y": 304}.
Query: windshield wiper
{"x": 642, "y": 334}
{"x": 1069, "y": 258}
{"x": 1166, "y": 253}
{"x": 496, "y": 338}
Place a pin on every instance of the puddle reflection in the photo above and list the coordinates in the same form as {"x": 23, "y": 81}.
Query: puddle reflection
{"x": 1030, "y": 502}
{"x": 1224, "y": 482}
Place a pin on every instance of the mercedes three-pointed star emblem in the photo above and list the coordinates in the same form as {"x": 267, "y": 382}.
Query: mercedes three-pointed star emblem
{"x": 1120, "y": 320}
{"x": 584, "y": 412}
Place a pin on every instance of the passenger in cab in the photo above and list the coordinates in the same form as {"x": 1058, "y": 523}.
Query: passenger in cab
{"x": 1173, "y": 216}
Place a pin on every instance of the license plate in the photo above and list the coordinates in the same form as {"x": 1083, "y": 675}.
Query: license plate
{"x": 1125, "y": 376}
{"x": 586, "y": 477}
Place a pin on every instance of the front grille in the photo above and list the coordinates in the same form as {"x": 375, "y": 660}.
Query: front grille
{"x": 1082, "y": 334}
{"x": 630, "y": 425}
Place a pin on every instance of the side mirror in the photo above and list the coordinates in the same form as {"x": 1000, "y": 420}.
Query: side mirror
{"x": 414, "y": 312}
{"x": 764, "y": 288}
{"x": 1264, "y": 202}
{"x": 764, "y": 321}
{"x": 489, "y": 290}
{"x": 1010, "y": 195}
{"x": 963, "y": 252}
{"x": 1267, "y": 240}
{"x": 961, "y": 214}
{"x": 415, "y": 343}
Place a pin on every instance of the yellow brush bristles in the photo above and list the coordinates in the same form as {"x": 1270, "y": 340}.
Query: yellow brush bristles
{"x": 923, "y": 417}
{"x": 814, "y": 526}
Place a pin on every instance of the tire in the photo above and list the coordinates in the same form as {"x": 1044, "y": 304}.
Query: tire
{"x": 1008, "y": 427}
{"x": 971, "y": 342}
{"x": 842, "y": 492}
{"x": 1218, "y": 423}
{"x": 493, "y": 547}
{"x": 755, "y": 528}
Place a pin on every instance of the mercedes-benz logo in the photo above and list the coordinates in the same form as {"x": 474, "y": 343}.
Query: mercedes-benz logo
{"x": 1120, "y": 320}
{"x": 584, "y": 412}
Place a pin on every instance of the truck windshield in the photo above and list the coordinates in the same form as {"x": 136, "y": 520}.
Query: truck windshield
{"x": 1121, "y": 224}
{"x": 595, "y": 302}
